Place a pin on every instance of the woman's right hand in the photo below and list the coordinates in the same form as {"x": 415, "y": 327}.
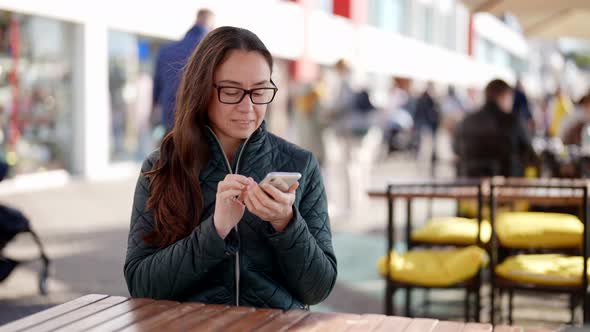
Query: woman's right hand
{"x": 229, "y": 205}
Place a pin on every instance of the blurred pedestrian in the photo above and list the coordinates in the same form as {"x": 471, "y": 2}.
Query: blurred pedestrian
{"x": 559, "y": 108}
{"x": 494, "y": 140}
{"x": 398, "y": 121}
{"x": 4, "y": 168}
{"x": 308, "y": 112}
{"x": 521, "y": 105}
{"x": 352, "y": 110}
{"x": 169, "y": 65}
{"x": 452, "y": 109}
{"x": 398, "y": 95}
{"x": 571, "y": 127}
{"x": 427, "y": 118}
{"x": 473, "y": 99}
{"x": 344, "y": 102}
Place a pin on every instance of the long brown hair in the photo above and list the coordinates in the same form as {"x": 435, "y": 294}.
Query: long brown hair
{"x": 176, "y": 198}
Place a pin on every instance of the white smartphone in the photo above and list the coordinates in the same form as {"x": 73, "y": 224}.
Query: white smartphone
{"x": 281, "y": 180}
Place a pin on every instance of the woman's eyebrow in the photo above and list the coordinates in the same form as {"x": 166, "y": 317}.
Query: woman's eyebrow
{"x": 240, "y": 84}
{"x": 261, "y": 82}
{"x": 230, "y": 82}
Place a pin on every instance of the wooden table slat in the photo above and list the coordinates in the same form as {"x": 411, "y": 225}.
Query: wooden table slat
{"x": 51, "y": 313}
{"x": 105, "y": 315}
{"x": 218, "y": 324}
{"x": 449, "y": 327}
{"x": 505, "y": 328}
{"x": 155, "y": 322}
{"x": 135, "y": 316}
{"x": 283, "y": 321}
{"x": 474, "y": 327}
{"x": 211, "y": 311}
{"x": 366, "y": 322}
{"x": 78, "y": 314}
{"x": 421, "y": 325}
{"x": 329, "y": 321}
{"x": 394, "y": 324}
{"x": 252, "y": 320}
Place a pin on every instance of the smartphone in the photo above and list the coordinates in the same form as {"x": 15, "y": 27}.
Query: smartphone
{"x": 281, "y": 180}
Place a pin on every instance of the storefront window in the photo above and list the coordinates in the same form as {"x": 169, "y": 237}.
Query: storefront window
{"x": 131, "y": 62}
{"x": 483, "y": 50}
{"x": 325, "y": 6}
{"x": 388, "y": 14}
{"x": 421, "y": 23}
{"x": 428, "y": 24}
{"x": 501, "y": 57}
{"x": 35, "y": 93}
{"x": 517, "y": 64}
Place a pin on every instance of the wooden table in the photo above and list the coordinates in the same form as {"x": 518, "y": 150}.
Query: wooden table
{"x": 114, "y": 313}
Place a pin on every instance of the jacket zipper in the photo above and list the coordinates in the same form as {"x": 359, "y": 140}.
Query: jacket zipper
{"x": 237, "y": 266}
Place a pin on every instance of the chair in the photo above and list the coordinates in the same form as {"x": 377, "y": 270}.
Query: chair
{"x": 538, "y": 252}
{"x": 399, "y": 269}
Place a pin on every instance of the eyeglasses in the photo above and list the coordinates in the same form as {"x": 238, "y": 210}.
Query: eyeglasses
{"x": 234, "y": 95}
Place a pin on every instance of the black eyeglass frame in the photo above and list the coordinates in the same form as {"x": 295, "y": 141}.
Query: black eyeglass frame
{"x": 246, "y": 92}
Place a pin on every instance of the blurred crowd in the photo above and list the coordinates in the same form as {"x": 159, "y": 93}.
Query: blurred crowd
{"x": 499, "y": 127}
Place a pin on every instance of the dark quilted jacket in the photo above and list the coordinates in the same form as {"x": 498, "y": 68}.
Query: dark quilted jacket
{"x": 286, "y": 270}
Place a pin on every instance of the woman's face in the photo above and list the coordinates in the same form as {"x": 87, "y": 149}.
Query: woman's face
{"x": 241, "y": 69}
{"x": 506, "y": 101}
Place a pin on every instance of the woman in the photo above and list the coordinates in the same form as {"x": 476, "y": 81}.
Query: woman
{"x": 493, "y": 141}
{"x": 202, "y": 229}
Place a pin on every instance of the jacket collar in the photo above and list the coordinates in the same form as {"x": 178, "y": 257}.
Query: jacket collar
{"x": 248, "y": 146}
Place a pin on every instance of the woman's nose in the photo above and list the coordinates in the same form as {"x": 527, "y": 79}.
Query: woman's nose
{"x": 246, "y": 104}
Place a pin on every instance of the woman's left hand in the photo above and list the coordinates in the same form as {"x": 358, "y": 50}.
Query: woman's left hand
{"x": 270, "y": 204}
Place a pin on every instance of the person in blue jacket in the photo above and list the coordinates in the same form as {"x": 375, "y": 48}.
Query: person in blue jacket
{"x": 169, "y": 65}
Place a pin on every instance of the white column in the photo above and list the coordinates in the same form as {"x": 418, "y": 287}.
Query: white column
{"x": 92, "y": 107}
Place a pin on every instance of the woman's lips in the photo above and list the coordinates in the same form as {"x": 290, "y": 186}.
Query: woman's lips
{"x": 243, "y": 122}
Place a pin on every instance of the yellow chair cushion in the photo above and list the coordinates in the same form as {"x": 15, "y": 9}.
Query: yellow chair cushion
{"x": 452, "y": 230}
{"x": 546, "y": 269}
{"x": 434, "y": 268}
{"x": 539, "y": 230}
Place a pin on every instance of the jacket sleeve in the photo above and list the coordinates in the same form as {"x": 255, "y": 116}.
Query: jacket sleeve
{"x": 304, "y": 249}
{"x": 168, "y": 273}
